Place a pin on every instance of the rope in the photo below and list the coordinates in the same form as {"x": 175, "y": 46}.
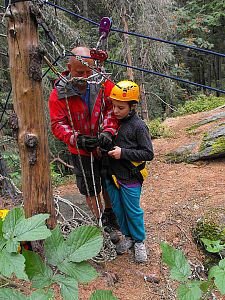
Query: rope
{"x": 167, "y": 76}
{"x": 54, "y": 63}
{"x": 79, "y": 218}
{"x": 82, "y": 168}
{"x": 75, "y": 139}
{"x": 138, "y": 34}
{"x": 163, "y": 75}
{"x": 95, "y": 192}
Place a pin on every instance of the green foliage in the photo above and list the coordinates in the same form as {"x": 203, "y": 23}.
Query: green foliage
{"x": 213, "y": 246}
{"x": 16, "y": 228}
{"x": 157, "y": 129}
{"x": 175, "y": 259}
{"x": 68, "y": 257}
{"x": 9, "y": 294}
{"x": 200, "y": 103}
{"x": 208, "y": 230}
{"x": 59, "y": 178}
{"x": 196, "y": 19}
{"x": 180, "y": 270}
{"x": 12, "y": 161}
{"x": 102, "y": 295}
{"x": 218, "y": 273}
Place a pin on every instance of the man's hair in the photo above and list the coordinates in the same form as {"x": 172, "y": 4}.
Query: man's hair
{"x": 82, "y": 51}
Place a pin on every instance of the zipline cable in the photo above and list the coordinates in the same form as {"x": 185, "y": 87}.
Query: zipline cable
{"x": 167, "y": 76}
{"x": 162, "y": 75}
{"x": 138, "y": 34}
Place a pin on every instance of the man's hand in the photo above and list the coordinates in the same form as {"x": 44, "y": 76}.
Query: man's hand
{"x": 115, "y": 153}
{"x": 87, "y": 142}
{"x": 105, "y": 140}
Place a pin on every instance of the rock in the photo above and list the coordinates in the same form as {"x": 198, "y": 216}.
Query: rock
{"x": 181, "y": 154}
{"x": 212, "y": 145}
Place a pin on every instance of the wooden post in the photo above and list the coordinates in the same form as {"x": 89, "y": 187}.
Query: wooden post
{"x": 25, "y": 58}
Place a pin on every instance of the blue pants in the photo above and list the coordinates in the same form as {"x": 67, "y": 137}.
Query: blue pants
{"x": 126, "y": 206}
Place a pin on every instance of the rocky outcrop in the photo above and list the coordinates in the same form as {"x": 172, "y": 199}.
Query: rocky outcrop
{"x": 210, "y": 146}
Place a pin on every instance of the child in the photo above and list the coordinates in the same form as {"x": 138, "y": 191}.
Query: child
{"x": 133, "y": 147}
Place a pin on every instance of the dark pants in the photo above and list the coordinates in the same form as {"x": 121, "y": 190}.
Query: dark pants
{"x": 86, "y": 162}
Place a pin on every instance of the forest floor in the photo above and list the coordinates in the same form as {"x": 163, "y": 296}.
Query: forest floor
{"x": 174, "y": 197}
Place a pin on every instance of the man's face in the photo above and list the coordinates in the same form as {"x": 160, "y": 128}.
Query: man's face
{"x": 77, "y": 69}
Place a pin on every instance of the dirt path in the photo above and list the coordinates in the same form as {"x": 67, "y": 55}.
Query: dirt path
{"x": 174, "y": 197}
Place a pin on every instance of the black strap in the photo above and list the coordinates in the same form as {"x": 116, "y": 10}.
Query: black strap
{"x": 134, "y": 170}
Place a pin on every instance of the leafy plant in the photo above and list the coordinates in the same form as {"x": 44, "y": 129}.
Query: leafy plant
{"x": 58, "y": 178}
{"x": 200, "y": 103}
{"x": 213, "y": 246}
{"x": 157, "y": 129}
{"x": 180, "y": 271}
{"x": 102, "y": 295}
{"x": 66, "y": 257}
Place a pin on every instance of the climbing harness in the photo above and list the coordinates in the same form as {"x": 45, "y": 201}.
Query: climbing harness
{"x": 75, "y": 140}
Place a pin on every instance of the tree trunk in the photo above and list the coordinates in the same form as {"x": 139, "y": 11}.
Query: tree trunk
{"x": 25, "y": 69}
{"x": 126, "y": 42}
{"x": 85, "y": 8}
{"x": 144, "y": 106}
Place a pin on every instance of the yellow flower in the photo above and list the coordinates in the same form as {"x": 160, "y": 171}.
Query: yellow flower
{"x": 3, "y": 213}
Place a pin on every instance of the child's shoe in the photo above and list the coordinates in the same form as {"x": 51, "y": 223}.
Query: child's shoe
{"x": 140, "y": 254}
{"x": 124, "y": 245}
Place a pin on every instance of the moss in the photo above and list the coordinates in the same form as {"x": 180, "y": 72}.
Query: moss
{"x": 176, "y": 157}
{"x": 218, "y": 146}
{"x": 209, "y": 230}
{"x": 204, "y": 143}
{"x": 193, "y": 127}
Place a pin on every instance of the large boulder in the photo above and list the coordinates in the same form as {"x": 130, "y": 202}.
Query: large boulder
{"x": 209, "y": 145}
{"x": 212, "y": 145}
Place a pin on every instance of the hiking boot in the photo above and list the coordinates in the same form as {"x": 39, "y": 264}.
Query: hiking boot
{"x": 140, "y": 254}
{"x": 109, "y": 221}
{"x": 124, "y": 245}
{"x": 111, "y": 226}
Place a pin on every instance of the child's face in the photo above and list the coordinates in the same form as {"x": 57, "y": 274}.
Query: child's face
{"x": 121, "y": 109}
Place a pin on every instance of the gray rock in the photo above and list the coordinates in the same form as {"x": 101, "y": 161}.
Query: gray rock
{"x": 212, "y": 145}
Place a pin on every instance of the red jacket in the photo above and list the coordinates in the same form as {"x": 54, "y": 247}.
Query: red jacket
{"x": 82, "y": 122}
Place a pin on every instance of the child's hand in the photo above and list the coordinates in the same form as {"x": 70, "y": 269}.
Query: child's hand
{"x": 115, "y": 153}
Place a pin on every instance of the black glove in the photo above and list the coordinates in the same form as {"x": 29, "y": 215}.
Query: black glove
{"x": 105, "y": 141}
{"x": 87, "y": 142}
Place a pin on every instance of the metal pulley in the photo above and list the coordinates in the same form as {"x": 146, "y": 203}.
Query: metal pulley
{"x": 99, "y": 55}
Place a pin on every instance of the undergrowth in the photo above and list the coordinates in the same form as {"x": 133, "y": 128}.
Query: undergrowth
{"x": 199, "y": 104}
{"x": 157, "y": 129}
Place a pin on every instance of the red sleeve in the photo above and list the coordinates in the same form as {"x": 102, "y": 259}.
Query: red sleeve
{"x": 110, "y": 122}
{"x": 60, "y": 124}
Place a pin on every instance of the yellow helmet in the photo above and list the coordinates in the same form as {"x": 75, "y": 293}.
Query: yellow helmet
{"x": 125, "y": 90}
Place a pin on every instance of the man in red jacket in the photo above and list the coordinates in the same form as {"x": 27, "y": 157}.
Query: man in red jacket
{"x": 93, "y": 124}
